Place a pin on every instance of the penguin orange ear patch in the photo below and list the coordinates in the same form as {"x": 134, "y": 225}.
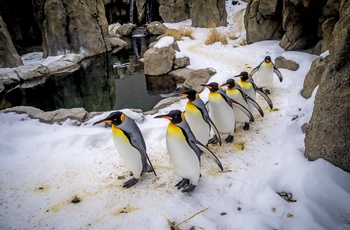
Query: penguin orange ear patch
{"x": 122, "y": 117}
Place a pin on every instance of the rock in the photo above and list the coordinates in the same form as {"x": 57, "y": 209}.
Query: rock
{"x": 9, "y": 56}
{"x": 327, "y": 135}
{"x": 182, "y": 73}
{"x": 159, "y": 61}
{"x": 281, "y": 62}
{"x": 162, "y": 104}
{"x": 173, "y": 11}
{"x": 50, "y": 117}
{"x": 156, "y": 28}
{"x": 208, "y": 13}
{"x": 2, "y": 87}
{"x": 32, "y": 71}
{"x": 197, "y": 77}
{"x": 313, "y": 77}
{"x": 72, "y": 27}
{"x": 9, "y": 77}
{"x": 117, "y": 42}
{"x": 181, "y": 62}
{"x": 125, "y": 29}
{"x": 263, "y": 20}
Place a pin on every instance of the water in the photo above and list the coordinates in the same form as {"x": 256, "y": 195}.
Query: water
{"x": 103, "y": 83}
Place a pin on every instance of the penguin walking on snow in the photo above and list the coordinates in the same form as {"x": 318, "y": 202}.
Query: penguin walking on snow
{"x": 197, "y": 116}
{"x": 235, "y": 92}
{"x": 184, "y": 150}
{"x": 130, "y": 145}
{"x": 264, "y": 77}
{"x": 250, "y": 88}
{"x": 221, "y": 111}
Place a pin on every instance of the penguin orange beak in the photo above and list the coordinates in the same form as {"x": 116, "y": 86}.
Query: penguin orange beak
{"x": 183, "y": 94}
{"x": 164, "y": 116}
{"x": 104, "y": 120}
{"x": 206, "y": 86}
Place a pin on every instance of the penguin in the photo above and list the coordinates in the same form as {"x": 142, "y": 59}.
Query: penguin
{"x": 221, "y": 111}
{"x": 130, "y": 145}
{"x": 250, "y": 88}
{"x": 235, "y": 92}
{"x": 264, "y": 78}
{"x": 184, "y": 150}
{"x": 197, "y": 116}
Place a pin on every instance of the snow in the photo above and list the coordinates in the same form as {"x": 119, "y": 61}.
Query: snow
{"x": 43, "y": 168}
{"x": 164, "y": 42}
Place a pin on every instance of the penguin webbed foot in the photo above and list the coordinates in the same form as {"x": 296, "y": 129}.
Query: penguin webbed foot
{"x": 130, "y": 183}
{"x": 246, "y": 126}
{"x": 229, "y": 139}
{"x": 189, "y": 188}
{"x": 267, "y": 91}
{"x": 213, "y": 140}
{"x": 182, "y": 183}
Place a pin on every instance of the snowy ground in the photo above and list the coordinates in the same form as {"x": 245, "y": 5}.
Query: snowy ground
{"x": 71, "y": 177}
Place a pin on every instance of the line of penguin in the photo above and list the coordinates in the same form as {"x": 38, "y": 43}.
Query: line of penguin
{"x": 188, "y": 132}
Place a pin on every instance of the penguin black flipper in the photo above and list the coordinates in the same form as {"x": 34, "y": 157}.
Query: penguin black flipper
{"x": 243, "y": 109}
{"x": 256, "y": 69}
{"x": 263, "y": 95}
{"x": 228, "y": 100}
{"x": 216, "y": 131}
{"x": 278, "y": 73}
{"x": 255, "y": 104}
{"x": 206, "y": 149}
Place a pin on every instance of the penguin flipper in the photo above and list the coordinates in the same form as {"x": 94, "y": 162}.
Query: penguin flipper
{"x": 255, "y": 104}
{"x": 244, "y": 110}
{"x": 205, "y": 149}
{"x": 216, "y": 131}
{"x": 266, "y": 98}
{"x": 147, "y": 167}
{"x": 278, "y": 73}
{"x": 255, "y": 70}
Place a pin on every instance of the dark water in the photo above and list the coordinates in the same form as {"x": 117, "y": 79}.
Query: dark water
{"x": 105, "y": 82}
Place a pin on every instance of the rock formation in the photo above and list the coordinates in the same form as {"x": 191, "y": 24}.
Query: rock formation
{"x": 327, "y": 135}
{"x": 72, "y": 27}
{"x": 8, "y": 53}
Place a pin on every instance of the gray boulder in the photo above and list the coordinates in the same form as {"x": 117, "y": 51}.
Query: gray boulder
{"x": 208, "y": 13}
{"x": 281, "y": 62}
{"x": 156, "y": 28}
{"x": 125, "y": 29}
{"x": 198, "y": 77}
{"x": 158, "y": 61}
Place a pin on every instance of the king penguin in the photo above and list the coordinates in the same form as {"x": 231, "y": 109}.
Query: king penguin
{"x": 184, "y": 150}
{"x": 130, "y": 145}
{"x": 197, "y": 116}
{"x": 250, "y": 88}
{"x": 235, "y": 92}
{"x": 264, "y": 77}
{"x": 221, "y": 111}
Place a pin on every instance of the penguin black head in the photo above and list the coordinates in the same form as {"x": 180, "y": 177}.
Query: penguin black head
{"x": 175, "y": 116}
{"x": 243, "y": 75}
{"x": 191, "y": 94}
{"x": 213, "y": 86}
{"x": 230, "y": 83}
{"x": 116, "y": 118}
{"x": 267, "y": 59}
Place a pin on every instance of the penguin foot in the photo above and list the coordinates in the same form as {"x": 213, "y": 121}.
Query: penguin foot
{"x": 267, "y": 91}
{"x": 189, "y": 188}
{"x": 246, "y": 126}
{"x": 229, "y": 139}
{"x": 183, "y": 183}
{"x": 130, "y": 183}
{"x": 213, "y": 140}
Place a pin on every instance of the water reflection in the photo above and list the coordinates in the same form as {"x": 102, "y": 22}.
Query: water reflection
{"x": 105, "y": 82}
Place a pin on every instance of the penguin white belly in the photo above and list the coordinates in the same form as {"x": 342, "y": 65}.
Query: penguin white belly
{"x": 130, "y": 155}
{"x": 197, "y": 124}
{"x": 265, "y": 75}
{"x": 183, "y": 157}
{"x": 240, "y": 117}
{"x": 221, "y": 114}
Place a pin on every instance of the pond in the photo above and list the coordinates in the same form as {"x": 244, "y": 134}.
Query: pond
{"x": 106, "y": 82}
